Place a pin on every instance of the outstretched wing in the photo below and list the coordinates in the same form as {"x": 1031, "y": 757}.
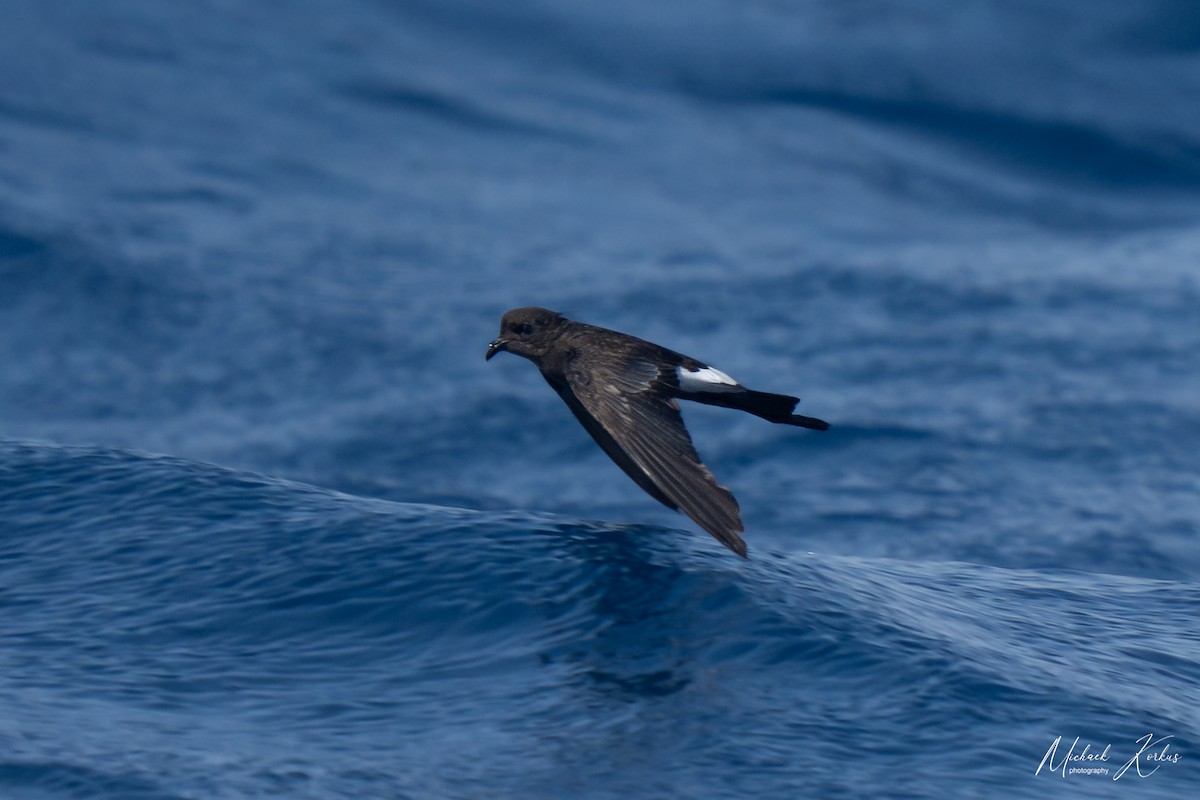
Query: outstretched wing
{"x": 639, "y": 426}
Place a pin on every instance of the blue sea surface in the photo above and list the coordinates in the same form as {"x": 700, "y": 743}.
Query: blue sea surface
{"x": 270, "y": 526}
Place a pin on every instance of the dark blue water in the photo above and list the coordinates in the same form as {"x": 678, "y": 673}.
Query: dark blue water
{"x": 270, "y": 526}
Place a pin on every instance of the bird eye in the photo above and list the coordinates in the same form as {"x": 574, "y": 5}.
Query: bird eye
{"x": 524, "y": 329}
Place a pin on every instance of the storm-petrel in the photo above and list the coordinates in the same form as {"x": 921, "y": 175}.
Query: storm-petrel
{"x": 623, "y": 389}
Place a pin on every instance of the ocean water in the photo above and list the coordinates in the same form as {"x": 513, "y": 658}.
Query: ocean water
{"x": 270, "y": 526}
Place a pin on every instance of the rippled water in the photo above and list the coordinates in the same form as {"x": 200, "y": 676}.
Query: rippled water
{"x": 274, "y": 240}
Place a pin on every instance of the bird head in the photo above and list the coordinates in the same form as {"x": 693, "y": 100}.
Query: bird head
{"x": 527, "y": 332}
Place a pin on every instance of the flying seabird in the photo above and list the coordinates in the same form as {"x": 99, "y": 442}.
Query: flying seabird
{"x": 624, "y": 392}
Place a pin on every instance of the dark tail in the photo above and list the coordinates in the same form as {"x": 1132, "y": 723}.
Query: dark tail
{"x": 807, "y": 422}
{"x": 772, "y": 407}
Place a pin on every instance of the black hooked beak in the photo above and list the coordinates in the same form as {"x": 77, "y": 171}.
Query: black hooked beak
{"x": 495, "y": 347}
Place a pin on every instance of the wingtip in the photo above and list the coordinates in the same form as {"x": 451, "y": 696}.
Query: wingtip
{"x": 730, "y": 535}
{"x": 733, "y": 541}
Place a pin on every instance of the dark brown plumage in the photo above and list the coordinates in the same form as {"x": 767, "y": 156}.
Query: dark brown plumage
{"x": 624, "y": 391}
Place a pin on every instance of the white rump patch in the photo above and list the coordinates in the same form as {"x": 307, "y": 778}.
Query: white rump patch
{"x": 708, "y": 379}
